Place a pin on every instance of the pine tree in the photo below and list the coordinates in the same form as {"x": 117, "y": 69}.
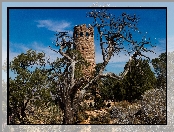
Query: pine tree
{"x": 139, "y": 79}
{"x": 159, "y": 65}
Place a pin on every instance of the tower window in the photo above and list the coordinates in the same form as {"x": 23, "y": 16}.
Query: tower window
{"x": 81, "y": 34}
{"x": 87, "y": 34}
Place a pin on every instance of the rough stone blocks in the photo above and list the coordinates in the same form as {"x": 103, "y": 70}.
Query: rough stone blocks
{"x": 84, "y": 42}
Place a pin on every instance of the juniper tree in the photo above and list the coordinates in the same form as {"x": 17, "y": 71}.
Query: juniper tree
{"x": 28, "y": 87}
{"x": 115, "y": 34}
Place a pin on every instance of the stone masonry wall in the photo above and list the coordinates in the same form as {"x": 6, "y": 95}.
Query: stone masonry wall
{"x": 84, "y": 42}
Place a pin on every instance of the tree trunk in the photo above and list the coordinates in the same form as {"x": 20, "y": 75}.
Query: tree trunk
{"x": 68, "y": 112}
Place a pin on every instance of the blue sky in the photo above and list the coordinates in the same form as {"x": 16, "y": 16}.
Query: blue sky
{"x": 35, "y": 29}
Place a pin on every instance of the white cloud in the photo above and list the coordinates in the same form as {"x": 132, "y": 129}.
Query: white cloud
{"x": 19, "y": 48}
{"x": 114, "y": 59}
{"x": 49, "y": 53}
{"x": 39, "y": 47}
{"x": 117, "y": 64}
{"x": 160, "y": 48}
{"x": 119, "y": 61}
{"x": 53, "y": 25}
{"x": 12, "y": 55}
{"x": 122, "y": 57}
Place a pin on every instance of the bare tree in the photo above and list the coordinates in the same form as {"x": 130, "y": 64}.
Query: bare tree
{"x": 114, "y": 35}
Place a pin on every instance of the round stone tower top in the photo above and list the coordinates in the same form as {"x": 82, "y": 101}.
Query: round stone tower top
{"x": 83, "y": 31}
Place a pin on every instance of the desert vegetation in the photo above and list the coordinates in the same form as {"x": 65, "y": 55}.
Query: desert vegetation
{"x": 57, "y": 92}
{"x": 110, "y": 102}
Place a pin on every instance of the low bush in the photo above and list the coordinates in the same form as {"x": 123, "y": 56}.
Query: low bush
{"x": 153, "y": 110}
{"x": 100, "y": 119}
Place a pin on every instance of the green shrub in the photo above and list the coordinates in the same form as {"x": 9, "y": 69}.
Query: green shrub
{"x": 81, "y": 117}
{"x": 100, "y": 119}
{"x": 99, "y": 103}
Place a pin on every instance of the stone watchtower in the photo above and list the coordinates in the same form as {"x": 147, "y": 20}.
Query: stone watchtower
{"x": 84, "y": 42}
